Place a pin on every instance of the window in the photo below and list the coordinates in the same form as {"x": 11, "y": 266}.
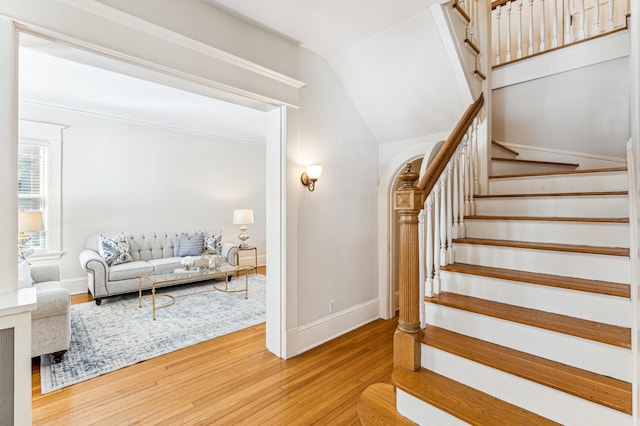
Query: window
{"x": 33, "y": 169}
{"x": 39, "y": 180}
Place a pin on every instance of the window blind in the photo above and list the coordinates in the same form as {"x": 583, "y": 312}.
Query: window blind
{"x": 33, "y": 166}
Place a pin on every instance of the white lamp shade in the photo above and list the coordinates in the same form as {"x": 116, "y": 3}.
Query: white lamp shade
{"x": 314, "y": 171}
{"x": 30, "y": 221}
{"x": 242, "y": 217}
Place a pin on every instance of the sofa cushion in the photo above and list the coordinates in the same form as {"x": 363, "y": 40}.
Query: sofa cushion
{"x": 190, "y": 245}
{"x": 24, "y": 274}
{"x": 125, "y": 271}
{"x": 167, "y": 264}
{"x": 114, "y": 250}
{"x": 214, "y": 242}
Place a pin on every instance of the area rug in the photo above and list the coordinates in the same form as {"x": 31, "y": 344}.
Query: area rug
{"x": 117, "y": 333}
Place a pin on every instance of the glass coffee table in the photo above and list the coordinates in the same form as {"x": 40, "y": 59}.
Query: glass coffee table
{"x": 197, "y": 274}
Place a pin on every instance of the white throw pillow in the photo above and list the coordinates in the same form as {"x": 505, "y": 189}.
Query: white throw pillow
{"x": 114, "y": 250}
{"x": 24, "y": 274}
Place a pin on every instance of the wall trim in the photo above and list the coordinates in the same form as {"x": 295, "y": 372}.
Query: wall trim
{"x": 563, "y": 152}
{"x": 140, "y": 122}
{"x": 121, "y": 17}
{"x": 328, "y": 328}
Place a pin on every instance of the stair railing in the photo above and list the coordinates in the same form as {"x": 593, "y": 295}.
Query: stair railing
{"x": 445, "y": 193}
{"x": 523, "y": 28}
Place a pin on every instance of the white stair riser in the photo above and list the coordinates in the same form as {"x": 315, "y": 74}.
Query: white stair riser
{"x": 588, "y": 182}
{"x": 422, "y": 413}
{"x": 581, "y": 353}
{"x": 580, "y": 233}
{"x": 503, "y": 168}
{"x": 579, "y": 304}
{"x": 555, "y": 206}
{"x": 579, "y": 265}
{"x": 547, "y": 402}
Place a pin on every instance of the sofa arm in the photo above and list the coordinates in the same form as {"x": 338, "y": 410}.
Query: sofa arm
{"x": 52, "y": 302}
{"x": 43, "y": 273}
{"x": 229, "y": 251}
{"x": 97, "y": 269}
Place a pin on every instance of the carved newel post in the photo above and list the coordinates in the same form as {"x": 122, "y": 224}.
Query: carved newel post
{"x": 406, "y": 341}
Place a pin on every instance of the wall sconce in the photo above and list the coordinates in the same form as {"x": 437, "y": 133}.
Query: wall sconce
{"x": 310, "y": 176}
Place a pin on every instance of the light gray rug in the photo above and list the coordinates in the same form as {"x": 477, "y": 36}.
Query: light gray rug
{"x": 117, "y": 334}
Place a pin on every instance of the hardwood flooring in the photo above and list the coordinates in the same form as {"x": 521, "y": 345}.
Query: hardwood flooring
{"x": 229, "y": 380}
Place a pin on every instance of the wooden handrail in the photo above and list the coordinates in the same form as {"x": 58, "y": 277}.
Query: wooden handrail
{"x": 500, "y": 3}
{"x": 437, "y": 166}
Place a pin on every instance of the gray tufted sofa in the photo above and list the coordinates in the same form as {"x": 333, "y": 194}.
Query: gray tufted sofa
{"x": 152, "y": 252}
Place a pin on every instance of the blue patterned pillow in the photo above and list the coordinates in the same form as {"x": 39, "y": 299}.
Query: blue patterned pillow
{"x": 214, "y": 242}
{"x": 190, "y": 245}
{"x": 114, "y": 250}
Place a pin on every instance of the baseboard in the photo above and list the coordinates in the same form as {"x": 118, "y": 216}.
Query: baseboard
{"x": 75, "y": 285}
{"x": 249, "y": 259}
{"x": 318, "y": 332}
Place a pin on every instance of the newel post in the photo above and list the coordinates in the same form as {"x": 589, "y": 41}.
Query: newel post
{"x": 406, "y": 340}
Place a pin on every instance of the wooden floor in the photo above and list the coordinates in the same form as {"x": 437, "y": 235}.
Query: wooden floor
{"x": 229, "y": 380}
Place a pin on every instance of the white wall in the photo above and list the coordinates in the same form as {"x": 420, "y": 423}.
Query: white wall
{"x": 583, "y": 110}
{"x": 337, "y": 223}
{"x": 124, "y": 176}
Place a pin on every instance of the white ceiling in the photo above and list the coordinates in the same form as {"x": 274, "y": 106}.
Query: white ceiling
{"x": 46, "y": 77}
{"x": 327, "y": 27}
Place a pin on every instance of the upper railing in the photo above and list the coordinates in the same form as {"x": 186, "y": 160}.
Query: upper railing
{"x": 523, "y": 28}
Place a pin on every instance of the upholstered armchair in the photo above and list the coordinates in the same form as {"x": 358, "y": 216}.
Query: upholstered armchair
{"x": 50, "y": 322}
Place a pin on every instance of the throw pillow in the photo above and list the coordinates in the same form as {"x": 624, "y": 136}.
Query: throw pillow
{"x": 24, "y": 274}
{"x": 114, "y": 250}
{"x": 190, "y": 245}
{"x": 214, "y": 242}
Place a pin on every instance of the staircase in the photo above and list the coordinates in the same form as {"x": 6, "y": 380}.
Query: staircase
{"x": 532, "y": 323}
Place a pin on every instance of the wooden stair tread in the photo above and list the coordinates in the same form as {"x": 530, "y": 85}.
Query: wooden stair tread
{"x": 562, "y": 172}
{"x": 586, "y": 329}
{"x": 506, "y": 148}
{"x": 552, "y": 163}
{"x": 471, "y": 45}
{"x": 571, "y": 248}
{"x": 603, "y": 390}
{"x": 552, "y": 219}
{"x": 556, "y": 194}
{"x": 461, "y": 401}
{"x": 461, "y": 12}
{"x": 570, "y": 283}
{"x": 377, "y": 406}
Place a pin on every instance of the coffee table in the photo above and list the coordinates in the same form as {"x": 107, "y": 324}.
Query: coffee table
{"x": 198, "y": 274}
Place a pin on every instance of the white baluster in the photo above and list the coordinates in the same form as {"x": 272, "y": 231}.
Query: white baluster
{"x": 530, "y": 50}
{"x": 422, "y": 270}
{"x": 436, "y": 239}
{"x": 567, "y": 21}
{"x": 467, "y": 174}
{"x": 428, "y": 241}
{"x": 507, "y": 55}
{"x": 542, "y": 28}
{"x": 519, "y": 35}
{"x": 455, "y": 201}
{"x": 443, "y": 220}
{"x": 610, "y": 23}
{"x": 554, "y": 24}
{"x": 476, "y": 183}
{"x": 498, "y": 12}
{"x": 450, "y": 198}
{"x": 581, "y": 32}
{"x": 461, "y": 171}
{"x": 471, "y": 23}
{"x": 596, "y": 17}
{"x": 475, "y": 21}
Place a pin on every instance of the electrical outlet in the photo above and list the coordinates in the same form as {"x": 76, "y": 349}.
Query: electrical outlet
{"x": 332, "y": 305}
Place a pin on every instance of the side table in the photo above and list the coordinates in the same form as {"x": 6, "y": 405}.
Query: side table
{"x": 255, "y": 253}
